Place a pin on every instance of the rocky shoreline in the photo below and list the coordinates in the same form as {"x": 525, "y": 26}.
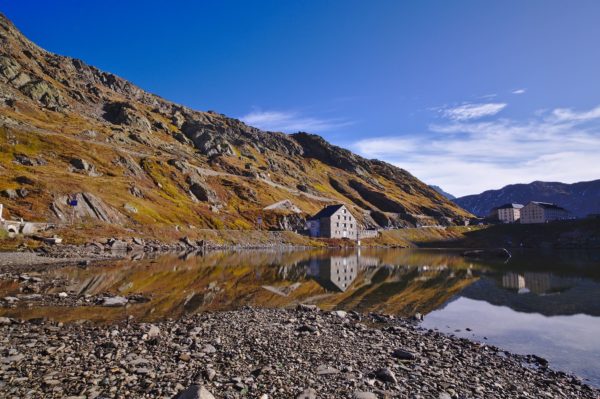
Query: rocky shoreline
{"x": 260, "y": 353}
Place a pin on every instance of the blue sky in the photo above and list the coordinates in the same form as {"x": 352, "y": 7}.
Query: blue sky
{"x": 468, "y": 95}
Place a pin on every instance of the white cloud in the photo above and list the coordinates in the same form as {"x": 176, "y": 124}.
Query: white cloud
{"x": 291, "y": 122}
{"x": 568, "y": 115}
{"x": 470, "y": 157}
{"x": 471, "y": 111}
{"x": 519, "y": 91}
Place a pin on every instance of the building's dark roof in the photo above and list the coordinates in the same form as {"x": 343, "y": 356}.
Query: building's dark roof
{"x": 548, "y": 205}
{"x": 326, "y": 212}
{"x": 509, "y": 206}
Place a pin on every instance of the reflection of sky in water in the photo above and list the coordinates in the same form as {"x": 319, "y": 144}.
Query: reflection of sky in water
{"x": 570, "y": 343}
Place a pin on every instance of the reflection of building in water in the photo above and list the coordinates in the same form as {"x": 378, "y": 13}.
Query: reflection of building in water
{"x": 336, "y": 273}
{"x": 538, "y": 283}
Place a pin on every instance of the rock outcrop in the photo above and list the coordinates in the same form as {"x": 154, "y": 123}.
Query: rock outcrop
{"x": 86, "y": 205}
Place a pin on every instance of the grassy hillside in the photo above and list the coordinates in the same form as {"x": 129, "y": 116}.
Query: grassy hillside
{"x": 144, "y": 165}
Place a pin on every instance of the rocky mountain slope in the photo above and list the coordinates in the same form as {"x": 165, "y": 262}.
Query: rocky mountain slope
{"x": 441, "y": 191}
{"x": 581, "y": 199}
{"x": 133, "y": 160}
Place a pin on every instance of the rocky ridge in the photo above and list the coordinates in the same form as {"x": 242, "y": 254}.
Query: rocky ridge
{"x": 68, "y": 128}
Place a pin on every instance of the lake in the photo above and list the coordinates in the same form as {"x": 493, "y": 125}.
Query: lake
{"x": 545, "y": 303}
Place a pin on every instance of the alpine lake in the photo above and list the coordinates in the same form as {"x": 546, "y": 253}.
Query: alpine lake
{"x": 542, "y": 303}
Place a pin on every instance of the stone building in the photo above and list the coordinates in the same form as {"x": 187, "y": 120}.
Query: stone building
{"x": 542, "y": 212}
{"x": 333, "y": 221}
{"x": 508, "y": 213}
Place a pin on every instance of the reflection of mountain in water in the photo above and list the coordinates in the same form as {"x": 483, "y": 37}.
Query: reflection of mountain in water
{"x": 398, "y": 282}
{"x": 542, "y": 293}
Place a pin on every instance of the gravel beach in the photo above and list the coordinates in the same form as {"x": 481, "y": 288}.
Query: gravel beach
{"x": 260, "y": 353}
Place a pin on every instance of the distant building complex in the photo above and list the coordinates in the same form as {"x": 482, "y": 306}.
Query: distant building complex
{"x": 542, "y": 212}
{"x": 533, "y": 212}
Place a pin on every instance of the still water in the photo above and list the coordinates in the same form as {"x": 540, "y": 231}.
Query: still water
{"x": 546, "y": 303}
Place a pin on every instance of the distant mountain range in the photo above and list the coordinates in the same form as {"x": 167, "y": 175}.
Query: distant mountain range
{"x": 580, "y": 199}
{"x": 445, "y": 194}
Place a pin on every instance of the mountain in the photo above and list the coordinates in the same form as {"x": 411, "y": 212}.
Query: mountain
{"x": 445, "y": 194}
{"x": 580, "y": 199}
{"x": 79, "y": 145}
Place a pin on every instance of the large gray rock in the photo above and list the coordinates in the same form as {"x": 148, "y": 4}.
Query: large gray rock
{"x": 9, "y": 68}
{"x": 121, "y": 113}
{"x": 195, "y": 392}
{"x": 308, "y": 393}
{"x": 364, "y": 395}
{"x": 81, "y": 165}
{"x": 28, "y": 161}
{"x": 88, "y": 206}
{"x": 45, "y": 93}
{"x": 114, "y": 301}
{"x": 206, "y": 139}
{"x": 202, "y": 191}
{"x": 386, "y": 375}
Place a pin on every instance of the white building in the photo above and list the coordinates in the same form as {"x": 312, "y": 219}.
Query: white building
{"x": 542, "y": 212}
{"x": 333, "y": 221}
{"x": 508, "y": 213}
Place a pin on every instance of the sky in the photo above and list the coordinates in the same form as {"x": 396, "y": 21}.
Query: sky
{"x": 466, "y": 94}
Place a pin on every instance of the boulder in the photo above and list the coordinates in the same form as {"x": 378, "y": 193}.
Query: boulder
{"x": 202, "y": 191}
{"x": 114, "y": 301}
{"x": 195, "y": 392}
{"x": 81, "y": 165}
{"x": 364, "y": 395}
{"x": 28, "y": 161}
{"x": 45, "y": 93}
{"x": 386, "y": 375}
{"x": 121, "y": 113}
{"x": 308, "y": 393}
{"x": 117, "y": 245}
{"x": 403, "y": 354}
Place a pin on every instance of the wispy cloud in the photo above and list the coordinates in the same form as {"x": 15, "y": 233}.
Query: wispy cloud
{"x": 470, "y": 111}
{"x": 568, "y": 115}
{"x": 519, "y": 91}
{"x": 467, "y": 157}
{"x": 291, "y": 122}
